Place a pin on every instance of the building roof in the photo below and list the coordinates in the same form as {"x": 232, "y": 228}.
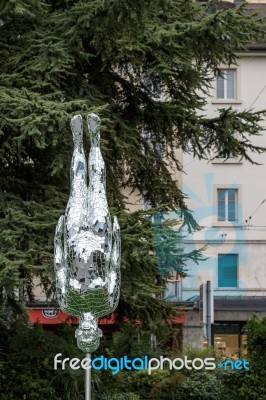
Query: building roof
{"x": 240, "y": 303}
{"x": 256, "y": 8}
{"x": 226, "y": 303}
{"x": 260, "y": 10}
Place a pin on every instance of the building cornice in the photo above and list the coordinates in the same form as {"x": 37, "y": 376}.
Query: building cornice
{"x": 213, "y": 241}
{"x": 252, "y": 54}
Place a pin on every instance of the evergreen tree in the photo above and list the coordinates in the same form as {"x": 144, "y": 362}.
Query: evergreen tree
{"x": 63, "y": 57}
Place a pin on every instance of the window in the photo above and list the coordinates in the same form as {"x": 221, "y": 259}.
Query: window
{"x": 147, "y": 205}
{"x": 222, "y": 155}
{"x": 226, "y": 200}
{"x": 153, "y": 86}
{"x": 150, "y": 138}
{"x": 223, "y": 158}
{"x": 173, "y": 291}
{"x": 229, "y": 338}
{"x": 226, "y": 84}
{"x": 227, "y": 270}
{"x": 227, "y": 204}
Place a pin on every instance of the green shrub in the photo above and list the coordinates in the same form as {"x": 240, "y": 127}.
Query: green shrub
{"x": 161, "y": 384}
{"x": 256, "y": 345}
{"x": 118, "y": 396}
{"x": 200, "y": 386}
{"x": 242, "y": 385}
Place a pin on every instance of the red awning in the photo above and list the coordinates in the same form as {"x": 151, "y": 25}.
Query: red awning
{"x": 55, "y": 316}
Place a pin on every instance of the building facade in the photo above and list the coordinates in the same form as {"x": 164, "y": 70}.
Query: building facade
{"x": 228, "y": 198}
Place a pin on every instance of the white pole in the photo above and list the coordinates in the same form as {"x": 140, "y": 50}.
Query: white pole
{"x": 88, "y": 378}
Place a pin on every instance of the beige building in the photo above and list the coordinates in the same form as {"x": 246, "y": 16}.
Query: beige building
{"x": 228, "y": 198}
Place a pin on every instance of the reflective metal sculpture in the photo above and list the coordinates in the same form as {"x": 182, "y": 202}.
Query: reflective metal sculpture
{"x": 87, "y": 247}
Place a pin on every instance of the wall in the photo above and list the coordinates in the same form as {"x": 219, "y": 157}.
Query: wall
{"x": 200, "y": 183}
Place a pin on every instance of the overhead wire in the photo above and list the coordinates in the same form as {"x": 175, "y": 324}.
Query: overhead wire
{"x": 248, "y": 220}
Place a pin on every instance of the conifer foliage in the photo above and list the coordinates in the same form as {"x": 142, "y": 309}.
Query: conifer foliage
{"x": 64, "y": 57}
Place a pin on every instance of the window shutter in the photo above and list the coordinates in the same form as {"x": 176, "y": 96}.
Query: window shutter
{"x": 227, "y": 270}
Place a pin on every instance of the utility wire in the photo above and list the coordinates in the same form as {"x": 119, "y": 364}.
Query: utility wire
{"x": 247, "y": 221}
{"x": 258, "y": 96}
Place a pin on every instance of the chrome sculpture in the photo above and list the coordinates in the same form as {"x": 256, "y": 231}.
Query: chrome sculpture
{"x": 87, "y": 247}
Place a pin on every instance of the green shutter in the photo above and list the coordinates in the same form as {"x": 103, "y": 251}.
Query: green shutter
{"x": 227, "y": 270}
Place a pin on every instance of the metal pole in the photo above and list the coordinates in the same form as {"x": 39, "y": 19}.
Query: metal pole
{"x": 209, "y": 310}
{"x": 88, "y": 378}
